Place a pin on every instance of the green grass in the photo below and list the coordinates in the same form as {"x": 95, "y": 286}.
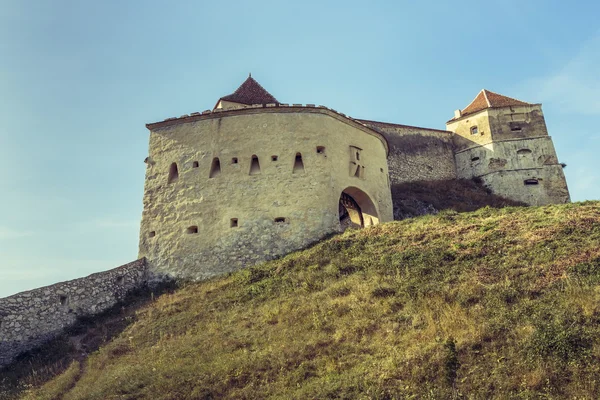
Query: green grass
{"x": 501, "y": 303}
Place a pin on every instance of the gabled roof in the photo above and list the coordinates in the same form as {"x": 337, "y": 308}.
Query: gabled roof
{"x": 486, "y": 99}
{"x": 250, "y": 92}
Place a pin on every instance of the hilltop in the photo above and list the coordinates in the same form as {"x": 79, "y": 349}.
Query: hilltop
{"x": 491, "y": 303}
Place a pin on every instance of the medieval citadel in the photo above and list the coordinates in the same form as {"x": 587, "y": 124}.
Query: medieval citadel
{"x": 253, "y": 179}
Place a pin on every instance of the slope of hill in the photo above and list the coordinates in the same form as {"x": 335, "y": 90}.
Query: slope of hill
{"x": 494, "y": 303}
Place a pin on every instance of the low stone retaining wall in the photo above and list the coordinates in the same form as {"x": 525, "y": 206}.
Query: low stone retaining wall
{"x": 28, "y": 319}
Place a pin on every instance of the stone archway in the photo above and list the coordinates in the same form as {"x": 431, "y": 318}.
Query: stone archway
{"x": 356, "y": 209}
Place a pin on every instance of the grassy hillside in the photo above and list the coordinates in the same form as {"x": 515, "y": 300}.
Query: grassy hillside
{"x": 494, "y": 303}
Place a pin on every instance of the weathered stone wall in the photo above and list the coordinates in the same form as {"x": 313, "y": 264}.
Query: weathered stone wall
{"x": 206, "y": 223}
{"x": 463, "y": 137}
{"x": 417, "y": 154}
{"x": 549, "y": 189}
{"x": 28, "y": 319}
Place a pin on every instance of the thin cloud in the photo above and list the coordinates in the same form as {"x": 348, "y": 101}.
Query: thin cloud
{"x": 573, "y": 88}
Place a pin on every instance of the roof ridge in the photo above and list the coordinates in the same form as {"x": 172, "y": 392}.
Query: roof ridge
{"x": 486, "y": 97}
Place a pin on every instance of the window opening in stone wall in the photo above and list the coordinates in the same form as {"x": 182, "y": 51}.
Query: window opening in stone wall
{"x": 320, "y": 149}
{"x": 192, "y": 230}
{"x": 152, "y": 234}
{"x": 474, "y": 130}
{"x": 279, "y": 220}
{"x": 381, "y": 169}
{"x": 274, "y": 158}
{"x": 515, "y": 128}
{"x": 523, "y": 151}
{"x": 119, "y": 280}
{"x": 531, "y": 182}
{"x": 254, "y": 165}
{"x": 195, "y": 164}
{"x": 173, "y": 173}
{"x": 298, "y": 164}
{"x": 356, "y": 168}
{"x": 63, "y": 300}
{"x": 474, "y": 159}
{"x": 233, "y": 223}
{"x": 215, "y": 168}
{"x": 234, "y": 160}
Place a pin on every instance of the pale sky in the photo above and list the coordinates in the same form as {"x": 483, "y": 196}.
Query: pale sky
{"x": 79, "y": 79}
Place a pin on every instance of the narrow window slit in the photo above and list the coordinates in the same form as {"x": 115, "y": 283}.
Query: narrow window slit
{"x": 63, "y": 300}
{"x": 298, "y": 164}
{"x": 531, "y": 182}
{"x": 274, "y": 158}
{"x": 233, "y": 223}
{"x": 195, "y": 164}
{"x": 320, "y": 149}
{"x": 255, "y": 165}
{"x": 173, "y": 173}
{"x": 215, "y": 168}
{"x": 192, "y": 230}
{"x": 234, "y": 160}
{"x": 279, "y": 220}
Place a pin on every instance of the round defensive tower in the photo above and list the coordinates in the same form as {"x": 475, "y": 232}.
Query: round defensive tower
{"x": 254, "y": 179}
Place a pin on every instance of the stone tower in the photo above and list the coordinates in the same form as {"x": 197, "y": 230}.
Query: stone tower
{"x": 254, "y": 179}
{"x": 505, "y": 142}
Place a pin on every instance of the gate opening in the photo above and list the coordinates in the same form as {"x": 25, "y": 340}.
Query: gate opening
{"x": 356, "y": 210}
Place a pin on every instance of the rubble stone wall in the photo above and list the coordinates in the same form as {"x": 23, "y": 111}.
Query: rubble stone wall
{"x": 28, "y": 319}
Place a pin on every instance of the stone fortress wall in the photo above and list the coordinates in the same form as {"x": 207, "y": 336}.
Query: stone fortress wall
{"x": 28, "y": 319}
{"x": 417, "y": 154}
{"x": 230, "y": 188}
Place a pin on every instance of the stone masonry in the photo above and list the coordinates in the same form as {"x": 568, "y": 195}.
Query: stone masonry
{"x": 29, "y": 319}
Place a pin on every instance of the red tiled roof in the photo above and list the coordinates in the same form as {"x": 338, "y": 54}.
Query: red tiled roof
{"x": 486, "y": 99}
{"x": 250, "y": 92}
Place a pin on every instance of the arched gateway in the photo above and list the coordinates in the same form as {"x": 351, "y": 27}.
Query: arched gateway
{"x": 356, "y": 209}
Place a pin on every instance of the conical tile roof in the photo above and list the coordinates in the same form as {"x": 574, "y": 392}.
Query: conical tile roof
{"x": 250, "y": 92}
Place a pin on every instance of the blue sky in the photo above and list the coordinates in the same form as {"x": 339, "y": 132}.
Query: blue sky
{"x": 79, "y": 79}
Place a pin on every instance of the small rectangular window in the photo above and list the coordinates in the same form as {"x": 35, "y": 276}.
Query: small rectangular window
{"x": 152, "y": 234}
{"x": 233, "y": 223}
{"x": 234, "y": 160}
{"x": 320, "y": 149}
{"x": 195, "y": 164}
{"x": 191, "y": 230}
{"x": 280, "y": 220}
{"x": 274, "y": 158}
{"x": 474, "y": 130}
{"x": 531, "y": 182}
